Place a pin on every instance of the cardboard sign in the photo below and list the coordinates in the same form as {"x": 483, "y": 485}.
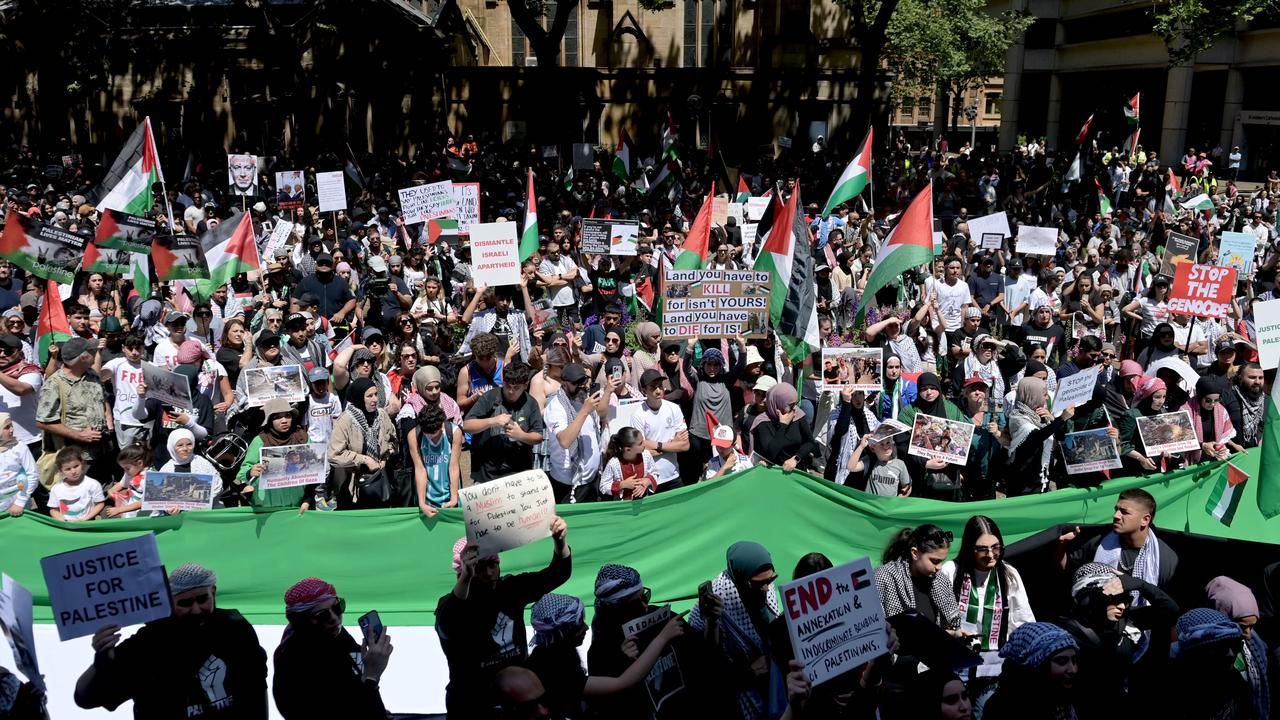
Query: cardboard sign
{"x": 997, "y": 223}
{"x": 719, "y": 211}
{"x": 715, "y": 303}
{"x": 1074, "y": 390}
{"x": 169, "y": 388}
{"x": 331, "y": 191}
{"x": 992, "y": 241}
{"x": 1167, "y": 433}
{"x": 1178, "y": 249}
{"x": 291, "y": 190}
{"x": 937, "y": 438}
{"x": 835, "y": 620}
{"x": 1037, "y": 240}
{"x": 647, "y": 621}
{"x": 466, "y": 206}
{"x": 1202, "y": 290}
{"x": 1090, "y": 451}
{"x": 294, "y": 465}
{"x": 1236, "y": 250}
{"x": 1266, "y": 316}
{"x": 165, "y": 491}
{"x": 279, "y": 381}
{"x": 278, "y": 238}
{"x": 508, "y": 512}
{"x": 414, "y": 203}
{"x": 853, "y": 368}
{"x": 495, "y": 254}
{"x": 17, "y": 618}
{"x": 756, "y": 207}
{"x": 119, "y": 583}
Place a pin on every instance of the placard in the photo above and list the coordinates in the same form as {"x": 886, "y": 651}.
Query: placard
{"x": 169, "y": 388}
{"x": 992, "y": 241}
{"x": 622, "y": 238}
{"x": 1178, "y": 249}
{"x": 1090, "y": 451}
{"x": 291, "y": 190}
{"x": 1202, "y": 290}
{"x": 466, "y": 205}
{"x": 1266, "y": 318}
{"x": 121, "y": 231}
{"x": 997, "y": 223}
{"x": 331, "y": 191}
{"x": 647, "y": 621}
{"x": 736, "y": 212}
{"x": 756, "y": 207}
{"x": 1236, "y": 250}
{"x": 887, "y": 429}
{"x": 937, "y": 438}
{"x": 719, "y": 210}
{"x": 595, "y": 236}
{"x": 495, "y": 254}
{"x": 179, "y": 257}
{"x": 277, "y": 381}
{"x": 620, "y": 415}
{"x": 414, "y": 203}
{"x": 294, "y": 465}
{"x": 118, "y": 583}
{"x": 278, "y": 238}
{"x": 46, "y": 251}
{"x": 508, "y": 512}
{"x": 852, "y": 368}
{"x": 750, "y": 231}
{"x": 835, "y": 620}
{"x": 18, "y": 620}
{"x": 1074, "y": 390}
{"x": 1170, "y": 432}
{"x": 165, "y": 491}
{"x": 242, "y": 175}
{"x": 1037, "y": 240}
{"x": 715, "y": 303}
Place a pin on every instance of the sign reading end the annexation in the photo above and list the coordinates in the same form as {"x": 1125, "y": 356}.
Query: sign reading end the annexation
{"x": 715, "y": 303}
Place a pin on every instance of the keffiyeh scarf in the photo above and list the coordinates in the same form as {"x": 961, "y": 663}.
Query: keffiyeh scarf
{"x": 898, "y": 593}
{"x": 740, "y": 639}
{"x": 1146, "y": 568}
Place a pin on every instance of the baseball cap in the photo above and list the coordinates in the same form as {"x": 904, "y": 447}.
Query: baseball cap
{"x": 318, "y": 374}
{"x": 573, "y": 373}
{"x": 73, "y": 348}
{"x": 377, "y": 264}
{"x": 324, "y": 259}
{"x": 370, "y": 333}
{"x": 11, "y": 342}
{"x": 650, "y": 377}
{"x": 1015, "y": 263}
{"x": 295, "y": 319}
{"x": 267, "y": 338}
{"x": 975, "y": 380}
{"x": 176, "y": 317}
{"x": 764, "y": 383}
{"x": 722, "y": 436}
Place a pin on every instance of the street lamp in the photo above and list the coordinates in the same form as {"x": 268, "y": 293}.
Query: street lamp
{"x": 971, "y": 112}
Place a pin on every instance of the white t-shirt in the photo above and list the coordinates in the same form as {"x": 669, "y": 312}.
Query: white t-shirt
{"x": 563, "y": 296}
{"x": 661, "y": 425}
{"x": 577, "y": 465}
{"x": 950, "y": 299}
{"x": 320, "y": 420}
{"x": 166, "y": 354}
{"x": 22, "y": 408}
{"x": 75, "y": 501}
{"x": 125, "y": 378}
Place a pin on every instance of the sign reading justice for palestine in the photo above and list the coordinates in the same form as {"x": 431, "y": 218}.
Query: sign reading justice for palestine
{"x": 118, "y": 583}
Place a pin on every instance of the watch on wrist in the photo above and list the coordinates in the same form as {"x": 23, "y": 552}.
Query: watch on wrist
{"x": 659, "y": 448}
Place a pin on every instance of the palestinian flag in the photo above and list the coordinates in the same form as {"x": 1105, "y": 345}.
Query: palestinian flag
{"x": 1073, "y": 172}
{"x": 648, "y": 293}
{"x": 1269, "y": 465}
{"x": 439, "y": 229}
{"x": 229, "y": 250}
{"x": 641, "y": 183}
{"x": 1133, "y": 142}
{"x": 670, "y": 136}
{"x": 744, "y": 192}
{"x": 122, "y": 231}
{"x": 129, "y": 184}
{"x": 622, "y": 158}
{"x": 787, "y": 255}
{"x": 1173, "y": 183}
{"x": 460, "y": 169}
{"x": 854, "y": 178}
{"x": 1225, "y": 498}
{"x": 697, "y": 243}
{"x": 52, "y": 327}
{"x": 1199, "y": 202}
{"x": 181, "y": 257}
{"x": 114, "y": 262}
{"x": 1084, "y": 131}
{"x": 1131, "y": 109}
{"x": 43, "y": 250}
{"x": 568, "y": 180}
{"x": 529, "y": 236}
{"x": 140, "y": 271}
{"x": 909, "y": 244}
{"x": 1104, "y": 203}
{"x": 668, "y": 178}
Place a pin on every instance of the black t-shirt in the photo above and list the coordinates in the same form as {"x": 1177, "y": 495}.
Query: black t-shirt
{"x": 497, "y": 455}
{"x": 1029, "y": 334}
{"x": 332, "y": 295}
{"x": 321, "y": 676}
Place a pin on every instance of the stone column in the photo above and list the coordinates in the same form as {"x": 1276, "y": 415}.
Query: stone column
{"x": 1177, "y": 104}
{"x": 1053, "y": 126}
{"x": 1232, "y": 104}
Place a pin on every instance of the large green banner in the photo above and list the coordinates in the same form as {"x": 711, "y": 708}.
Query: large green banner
{"x": 399, "y": 562}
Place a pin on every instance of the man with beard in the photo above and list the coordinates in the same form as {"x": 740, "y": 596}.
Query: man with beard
{"x": 573, "y": 419}
{"x": 498, "y": 319}
{"x": 20, "y": 383}
{"x": 334, "y": 294}
{"x": 1247, "y": 414}
{"x": 505, "y": 424}
{"x": 481, "y": 622}
{"x": 10, "y": 287}
{"x": 558, "y": 272}
{"x": 201, "y": 661}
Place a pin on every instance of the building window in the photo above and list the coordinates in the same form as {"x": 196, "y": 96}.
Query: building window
{"x": 522, "y": 54}
{"x": 992, "y": 106}
{"x": 925, "y": 104}
{"x": 908, "y": 107}
{"x": 708, "y": 32}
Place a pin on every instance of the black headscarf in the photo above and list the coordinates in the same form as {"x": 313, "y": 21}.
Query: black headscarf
{"x": 937, "y": 408}
{"x": 355, "y": 397}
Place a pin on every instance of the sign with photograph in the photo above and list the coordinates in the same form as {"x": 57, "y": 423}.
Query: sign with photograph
{"x": 495, "y": 254}
{"x": 715, "y": 303}
{"x": 1202, "y": 290}
{"x": 1170, "y": 432}
{"x": 1090, "y": 451}
{"x": 331, "y": 191}
{"x": 118, "y": 583}
{"x": 294, "y": 465}
{"x": 508, "y": 512}
{"x": 165, "y": 491}
{"x": 169, "y": 388}
{"x": 854, "y": 368}
{"x": 889, "y": 428}
{"x": 280, "y": 381}
{"x": 937, "y": 438}
{"x": 45, "y": 251}
{"x": 121, "y": 231}
{"x": 835, "y": 620}
{"x": 291, "y": 190}
{"x": 242, "y": 175}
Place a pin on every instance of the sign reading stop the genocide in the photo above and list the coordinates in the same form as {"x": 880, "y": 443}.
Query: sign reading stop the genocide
{"x": 1202, "y": 290}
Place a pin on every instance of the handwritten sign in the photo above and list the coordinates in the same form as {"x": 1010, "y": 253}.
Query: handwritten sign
{"x": 440, "y": 202}
{"x": 719, "y": 211}
{"x": 646, "y": 622}
{"x": 495, "y": 253}
{"x": 715, "y": 303}
{"x": 331, "y": 191}
{"x": 835, "y": 620}
{"x": 121, "y": 583}
{"x": 1202, "y": 290}
{"x": 466, "y": 205}
{"x": 413, "y": 203}
{"x": 1266, "y": 317}
{"x": 508, "y": 512}
{"x": 1074, "y": 390}
{"x": 992, "y": 241}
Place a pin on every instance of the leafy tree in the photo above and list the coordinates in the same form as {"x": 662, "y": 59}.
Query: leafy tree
{"x": 1189, "y": 27}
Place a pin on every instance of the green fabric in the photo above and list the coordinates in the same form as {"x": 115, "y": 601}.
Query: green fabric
{"x": 290, "y": 497}
{"x": 398, "y": 562}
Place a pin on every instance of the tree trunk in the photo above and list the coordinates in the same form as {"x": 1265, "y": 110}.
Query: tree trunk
{"x": 870, "y": 108}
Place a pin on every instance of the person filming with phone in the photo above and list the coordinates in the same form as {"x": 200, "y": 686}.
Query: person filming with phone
{"x": 573, "y": 418}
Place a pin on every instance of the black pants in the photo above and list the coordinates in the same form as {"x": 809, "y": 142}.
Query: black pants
{"x": 693, "y": 461}
{"x": 568, "y": 493}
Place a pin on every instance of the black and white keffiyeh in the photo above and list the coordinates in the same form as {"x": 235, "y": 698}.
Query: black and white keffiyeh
{"x": 898, "y": 593}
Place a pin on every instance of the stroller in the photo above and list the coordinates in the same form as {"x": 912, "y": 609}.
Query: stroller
{"x": 227, "y": 450}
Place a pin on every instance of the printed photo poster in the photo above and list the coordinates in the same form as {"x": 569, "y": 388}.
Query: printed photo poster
{"x": 1178, "y": 249}
{"x": 331, "y": 191}
{"x": 466, "y": 205}
{"x": 17, "y": 619}
{"x": 294, "y": 465}
{"x": 509, "y": 512}
{"x": 169, "y": 388}
{"x": 835, "y": 620}
{"x": 622, "y": 238}
{"x": 888, "y": 429}
{"x": 1090, "y": 451}
{"x": 291, "y": 190}
{"x": 495, "y": 254}
{"x": 268, "y": 383}
{"x": 121, "y": 583}
{"x": 165, "y": 491}
{"x": 1170, "y": 432}
{"x": 715, "y": 303}
{"x": 179, "y": 257}
{"x": 853, "y": 368}
{"x": 937, "y": 438}
{"x": 1236, "y": 250}
{"x": 45, "y": 251}
{"x": 242, "y": 175}
{"x": 121, "y": 231}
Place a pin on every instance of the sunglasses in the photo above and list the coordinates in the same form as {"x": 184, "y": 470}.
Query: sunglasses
{"x": 15, "y": 323}
{"x": 408, "y": 356}
{"x": 406, "y": 321}
{"x": 1108, "y": 355}
{"x": 988, "y": 549}
{"x": 338, "y": 608}
{"x": 275, "y": 320}
{"x": 613, "y": 340}
{"x": 193, "y": 601}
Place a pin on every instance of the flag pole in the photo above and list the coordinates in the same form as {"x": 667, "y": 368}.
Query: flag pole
{"x": 164, "y": 190}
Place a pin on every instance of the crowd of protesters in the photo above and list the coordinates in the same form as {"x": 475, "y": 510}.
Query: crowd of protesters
{"x": 419, "y": 382}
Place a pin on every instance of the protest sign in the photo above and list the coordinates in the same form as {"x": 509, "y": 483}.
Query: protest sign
{"x": 835, "y": 620}
{"x": 1037, "y": 240}
{"x": 169, "y": 388}
{"x": 1266, "y": 318}
{"x": 179, "y": 257}
{"x": 121, "y": 231}
{"x": 595, "y": 236}
{"x": 119, "y": 583}
{"x": 291, "y": 190}
{"x": 46, "y": 251}
{"x": 994, "y": 223}
{"x": 495, "y": 254}
{"x": 719, "y": 211}
{"x": 647, "y": 621}
{"x": 165, "y": 491}
{"x": 784, "y": 142}
{"x": 18, "y": 620}
{"x": 854, "y": 368}
{"x": 414, "y": 202}
{"x": 756, "y": 207}
{"x": 1236, "y": 250}
{"x": 242, "y": 175}
{"x": 1202, "y": 290}
{"x": 440, "y": 202}
{"x": 715, "y": 303}
{"x": 466, "y": 205}
{"x": 736, "y": 210}
{"x": 508, "y": 512}
{"x": 1167, "y": 433}
{"x": 992, "y": 241}
{"x": 294, "y": 465}
{"x": 937, "y": 438}
{"x": 278, "y": 238}
{"x": 1090, "y": 451}
{"x": 279, "y": 381}
{"x": 749, "y": 234}
{"x": 622, "y": 237}
{"x": 331, "y": 191}
{"x": 1178, "y": 249}
{"x": 889, "y": 428}
{"x": 1074, "y": 390}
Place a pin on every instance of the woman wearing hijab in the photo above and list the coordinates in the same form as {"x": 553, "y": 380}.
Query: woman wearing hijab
{"x": 1032, "y": 429}
{"x": 1038, "y": 680}
{"x": 281, "y": 429}
{"x": 1162, "y": 346}
{"x": 1148, "y": 400}
{"x": 1207, "y": 656}
{"x": 931, "y": 478}
{"x": 898, "y": 393}
{"x": 1210, "y": 420}
{"x": 183, "y": 458}
{"x": 734, "y": 617}
{"x": 17, "y": 470}
{"x": 363, "y": 438}
{"x": 1238, "y": 603}
{"x": 164, "y": 418}
{"x": 712, "y": 382}
{"x": 987, "y": 363}
{"x": 615, "y": 353}
{"x": 939, "y": 695}
{"x": 648, "y": 334}
{"x": 784, "y": 439}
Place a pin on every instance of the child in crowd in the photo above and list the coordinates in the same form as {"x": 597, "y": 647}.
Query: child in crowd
{"x": 885, "y": 474}
{"x": 77, "y": 498}
{"x": 727, "y": 458}
{"x": 126, "y": 495}
{"x": 17, "y": 470}
{"x": 628, "y": 470}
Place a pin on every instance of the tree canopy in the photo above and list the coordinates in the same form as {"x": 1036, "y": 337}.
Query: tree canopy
{"x": 1189, "y": 27}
